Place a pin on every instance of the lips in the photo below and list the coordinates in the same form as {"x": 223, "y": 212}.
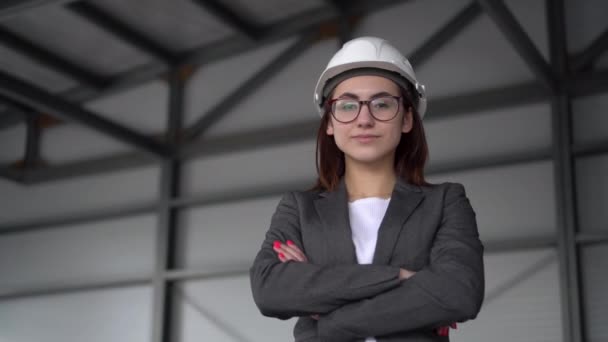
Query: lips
{"x": 365, "y": 137}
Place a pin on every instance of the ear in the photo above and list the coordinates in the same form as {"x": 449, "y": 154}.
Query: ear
{"x": 408, "y": 121}
{"x": 330, "y": 128}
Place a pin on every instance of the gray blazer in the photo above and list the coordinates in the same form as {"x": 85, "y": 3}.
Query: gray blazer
{"x": 430, "y": 230}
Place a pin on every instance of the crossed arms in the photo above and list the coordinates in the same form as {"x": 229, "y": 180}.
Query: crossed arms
{"x": 356, "y": 301}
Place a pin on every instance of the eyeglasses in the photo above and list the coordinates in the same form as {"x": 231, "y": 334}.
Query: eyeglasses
{"x": 383, "y": 108}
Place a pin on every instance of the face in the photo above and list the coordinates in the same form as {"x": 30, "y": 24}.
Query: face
{"x": 367, "y": 140}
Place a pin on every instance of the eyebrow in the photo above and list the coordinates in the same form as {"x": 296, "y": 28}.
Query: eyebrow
{"x": 354, "y": 96}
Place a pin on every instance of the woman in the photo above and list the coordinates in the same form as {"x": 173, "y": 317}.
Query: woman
{"x": 373, "y": 252}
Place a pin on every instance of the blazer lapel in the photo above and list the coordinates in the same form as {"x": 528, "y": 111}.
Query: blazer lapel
{"x": 404, "y": 200}
{"x": 332, "y": 208}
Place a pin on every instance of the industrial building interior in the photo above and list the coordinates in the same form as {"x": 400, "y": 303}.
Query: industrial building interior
{"x": 145, "y": 144}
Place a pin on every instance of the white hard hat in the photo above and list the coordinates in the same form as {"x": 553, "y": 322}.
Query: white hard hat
{"x": 369, "y": 53}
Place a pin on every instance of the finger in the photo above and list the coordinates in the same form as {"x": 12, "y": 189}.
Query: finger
{"x": 291, "y": 253}
{"x": 315, "y": 317}
{"x": 297, "y": 250}
{"x": 282, "y": 257}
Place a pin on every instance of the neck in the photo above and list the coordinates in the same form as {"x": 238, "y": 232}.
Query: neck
{"x": 369, "y": 180}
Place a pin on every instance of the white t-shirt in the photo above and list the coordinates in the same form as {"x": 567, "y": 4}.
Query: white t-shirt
{"x": 365, "y": 217}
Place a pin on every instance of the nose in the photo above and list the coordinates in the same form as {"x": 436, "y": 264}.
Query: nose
{"x": 365, "y": 118}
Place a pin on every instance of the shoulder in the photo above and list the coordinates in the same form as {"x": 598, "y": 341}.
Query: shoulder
{"x": 302, "y": 197}
{"x": 447, "y": 193}
{"x": 445, "y": 188}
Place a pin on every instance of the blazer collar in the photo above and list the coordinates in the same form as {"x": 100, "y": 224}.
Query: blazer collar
{"x": 332, "y": 208}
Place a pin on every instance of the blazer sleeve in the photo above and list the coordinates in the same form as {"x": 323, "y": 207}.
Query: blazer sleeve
{"x": 449, "y": 289}
{"x": 284, "y": 290}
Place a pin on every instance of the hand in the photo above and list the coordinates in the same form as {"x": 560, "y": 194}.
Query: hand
{"x": 289, "y": 252}
{"x": 405, "y": 274}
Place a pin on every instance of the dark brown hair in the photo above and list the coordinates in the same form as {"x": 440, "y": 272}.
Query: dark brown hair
{"x": 410, "y": 155}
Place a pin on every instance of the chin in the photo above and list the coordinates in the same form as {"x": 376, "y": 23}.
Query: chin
{"x": 372, "y": 157}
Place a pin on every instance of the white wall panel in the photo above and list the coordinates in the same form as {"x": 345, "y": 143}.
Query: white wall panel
{"x": 12, "y": 144}
{"x": 522, "y": 300}
{"x": 595, "y": 283}
{"x": 590, "y": 119}
{"x": 286, "y": 98}
{"x": 223, "y": 310}
{"x": 592, "y": 193}
{"x": 120, "y": 315}
{"x": 513, "y": 202}
{"x": 226, "y": 237}
{"x": 144, "y": 108}
{"x": 107, "y": 250}
{"x": 210, "y": 84}
{"x": 109, "y": 191}
{"x": 271, "y": 166}
{"x": 483, "y": 135}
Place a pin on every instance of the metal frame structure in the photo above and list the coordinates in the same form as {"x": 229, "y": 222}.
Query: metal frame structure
{"x": 558, "y": 82}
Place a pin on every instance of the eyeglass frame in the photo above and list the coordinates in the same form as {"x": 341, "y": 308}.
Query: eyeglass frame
{"x": 330, "y": 104}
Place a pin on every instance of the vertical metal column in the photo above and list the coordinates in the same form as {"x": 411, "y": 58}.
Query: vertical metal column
{"x": 167, "y": 215}
{"x": 569, "y": 273}
{"x": 32, "y": 142}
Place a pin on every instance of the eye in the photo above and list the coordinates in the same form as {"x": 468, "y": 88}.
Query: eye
{"x": 347, "y": 105}
{"x": 383, "y": 103}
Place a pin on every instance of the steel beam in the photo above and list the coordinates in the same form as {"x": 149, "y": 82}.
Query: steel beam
{"x": 565, "y": 183}
{"x": 50, "y": 60}
{"x": 590, "y": 149}
{"x": 70, "y": 289}
{"x": 486, "y": 100}
{"x": 519, "y": 244}
{"x": 592, "y": 238}
{"x": 515, "y": 34}
{"x": 11, "y": 173}
{"x": 12, "y": 8}
{"x": 585, "y": 59}
{"x": 248, "y": 87}
{"x": 491, "y": 162}
{"x": 445, "y": 34}
{"x": 43, "y": 101}
{"x": 255, "y": 139}
{"x": 60, "y": 221}
{"x": 167, "y": 215}
{"x": 120, "y": 30}
{"x": 32, "y": 143}
{"x": 589, "y": 83}
{"x": 10, "y": 115}
{"x": 241, "y": 25}
{"x": 123, "y": 161}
